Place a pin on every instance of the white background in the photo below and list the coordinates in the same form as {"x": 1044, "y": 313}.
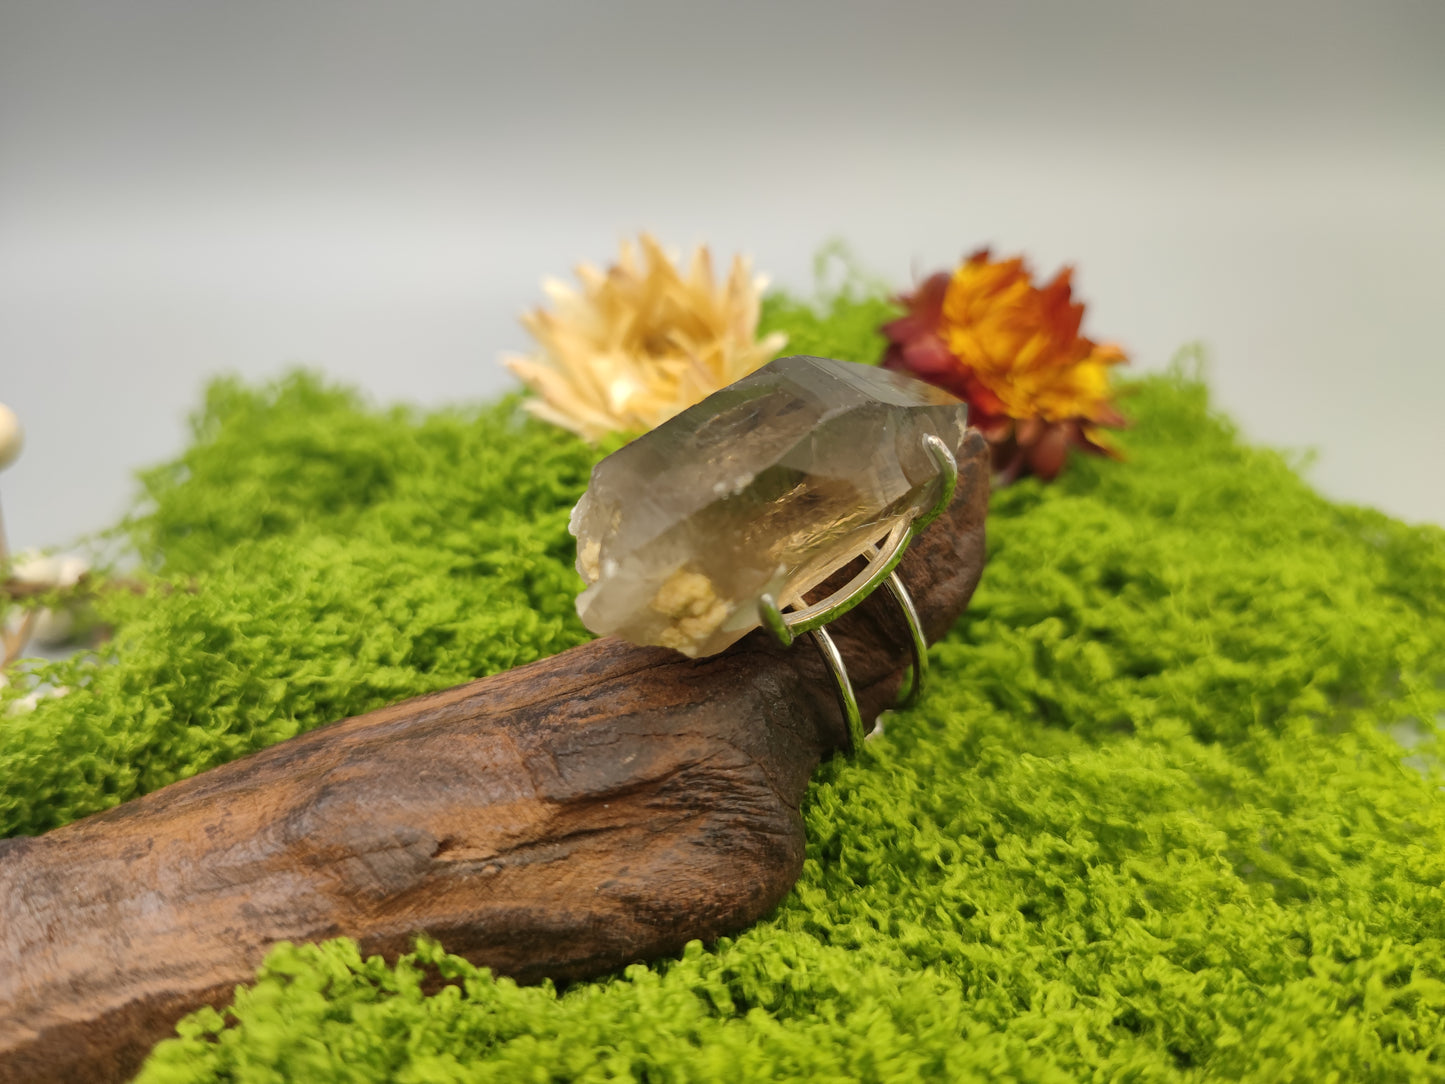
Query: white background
{"x": 377, "y": 190}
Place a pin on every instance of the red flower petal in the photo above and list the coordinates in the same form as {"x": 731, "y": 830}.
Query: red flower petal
{"x": 1047, "y": 456}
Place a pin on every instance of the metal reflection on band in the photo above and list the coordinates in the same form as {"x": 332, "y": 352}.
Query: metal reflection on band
{"x": 787, "y": 625}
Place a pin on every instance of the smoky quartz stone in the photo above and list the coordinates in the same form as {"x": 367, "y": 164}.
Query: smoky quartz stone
{"x": 766, "y": 487}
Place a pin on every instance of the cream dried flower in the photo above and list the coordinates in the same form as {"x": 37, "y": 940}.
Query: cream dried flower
{"x": 31, "y": 568}
{"x": 641, "y": 342}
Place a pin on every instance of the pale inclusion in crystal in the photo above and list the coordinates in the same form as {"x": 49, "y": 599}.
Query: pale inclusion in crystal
{"x": 769, "y": 485}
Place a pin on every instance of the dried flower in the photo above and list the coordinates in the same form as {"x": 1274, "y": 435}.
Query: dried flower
{"x": 12, "y": 437}
{"x": 641, "y": 341}
{"x": 1013, "y": 352}
{"x": 30, "y": 568}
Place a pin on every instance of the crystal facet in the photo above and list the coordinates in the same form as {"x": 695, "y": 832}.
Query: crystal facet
{"x": 767, "y": 486}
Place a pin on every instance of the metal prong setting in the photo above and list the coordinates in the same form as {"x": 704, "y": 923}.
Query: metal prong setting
{"x": 943, "y": 456}
{"x": 883, "y": 560}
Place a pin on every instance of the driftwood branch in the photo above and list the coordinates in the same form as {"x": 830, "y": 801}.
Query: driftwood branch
{"x": 563, "y": 819}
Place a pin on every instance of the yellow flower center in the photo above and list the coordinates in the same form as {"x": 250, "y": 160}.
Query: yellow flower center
{"x": 1022, "y": 343}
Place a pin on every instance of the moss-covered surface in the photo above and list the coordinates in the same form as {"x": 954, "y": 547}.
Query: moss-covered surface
{"x": 1153, "y": 821}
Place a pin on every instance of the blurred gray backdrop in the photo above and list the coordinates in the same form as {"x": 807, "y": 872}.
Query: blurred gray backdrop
{"x": 377, "y": 189}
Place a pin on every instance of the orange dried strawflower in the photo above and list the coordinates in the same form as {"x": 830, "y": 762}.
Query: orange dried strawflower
{"x": 1012, "y": 351}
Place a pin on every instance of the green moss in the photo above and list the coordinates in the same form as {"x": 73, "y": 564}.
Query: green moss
{"x": 842, "y": 324}
{"x": 1150, "y": 823}
{"x": 322, "y": 559}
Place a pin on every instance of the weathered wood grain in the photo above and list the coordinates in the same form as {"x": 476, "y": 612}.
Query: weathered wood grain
{"x": 562, "y": 819}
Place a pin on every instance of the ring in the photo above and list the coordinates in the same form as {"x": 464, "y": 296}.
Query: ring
{"x": 723, "y": 518}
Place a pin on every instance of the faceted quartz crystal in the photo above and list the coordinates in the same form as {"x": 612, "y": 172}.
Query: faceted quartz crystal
{"x": 769, "y": 485}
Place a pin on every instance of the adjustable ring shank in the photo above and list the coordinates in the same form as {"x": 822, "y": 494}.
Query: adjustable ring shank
{"x": 883, "y": 560}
